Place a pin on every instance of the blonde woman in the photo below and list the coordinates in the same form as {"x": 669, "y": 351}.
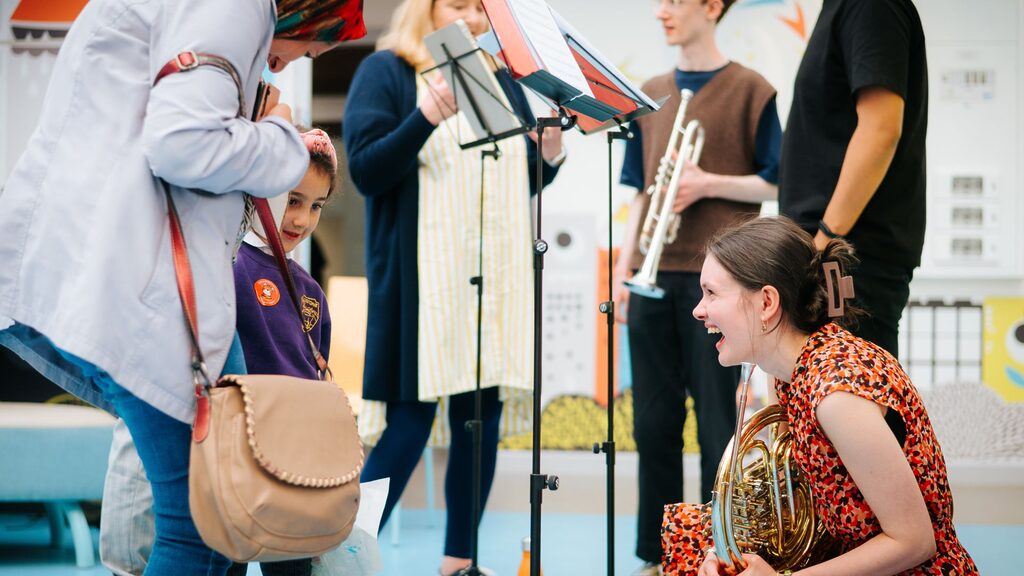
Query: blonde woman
{"x": 422, "y": 222}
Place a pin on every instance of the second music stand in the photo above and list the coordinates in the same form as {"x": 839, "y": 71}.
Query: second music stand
{"x": 466, "y": 71}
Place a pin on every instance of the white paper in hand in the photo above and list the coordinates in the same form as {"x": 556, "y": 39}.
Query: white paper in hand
{"x": 359, "y": 554}
{"x": 372, "y": 497}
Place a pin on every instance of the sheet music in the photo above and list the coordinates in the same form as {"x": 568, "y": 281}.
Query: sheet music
{"x": 535, "y": 19}
{"x": 601, "y": 62}
{"x": 478, "y": 94}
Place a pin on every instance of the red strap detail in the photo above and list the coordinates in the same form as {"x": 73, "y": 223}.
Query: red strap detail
{"x": 201, "y": 425}
{"x": 189, "y": 60}
{"x": 183, "y": 271}
{"x": 183, "y": 61}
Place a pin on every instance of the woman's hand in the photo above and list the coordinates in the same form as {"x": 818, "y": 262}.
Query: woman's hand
{"x": 282, "y": 111}
{"x": 437, "y": 102}
{"x": 693, "y": 186}
{"x": 709, "y": 567}
{"x": 552, "y": 140}
{"x": 757, "y": 567}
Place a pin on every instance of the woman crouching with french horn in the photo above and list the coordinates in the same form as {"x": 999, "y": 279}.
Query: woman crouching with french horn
{"x": 865, "y": 460}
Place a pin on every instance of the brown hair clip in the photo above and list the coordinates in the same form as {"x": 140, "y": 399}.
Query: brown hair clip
{"x": 838, "y": 290}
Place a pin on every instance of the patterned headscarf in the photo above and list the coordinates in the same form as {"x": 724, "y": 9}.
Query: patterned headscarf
{"x": 320, "y": 20}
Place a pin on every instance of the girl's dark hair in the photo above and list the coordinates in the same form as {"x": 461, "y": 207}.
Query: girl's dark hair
{"x": 324, "y": 164}
{"x": 776, "y": 252}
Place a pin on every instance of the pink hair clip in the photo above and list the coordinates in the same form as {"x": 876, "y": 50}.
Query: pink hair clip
{"x": 844, "y": 284}
{"x": 318, "y": 142}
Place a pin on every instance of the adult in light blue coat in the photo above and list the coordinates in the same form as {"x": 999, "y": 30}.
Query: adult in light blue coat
{"x": 87, "y": 287}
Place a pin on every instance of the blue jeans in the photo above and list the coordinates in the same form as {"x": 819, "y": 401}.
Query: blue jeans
{"x": 163, "y": 444}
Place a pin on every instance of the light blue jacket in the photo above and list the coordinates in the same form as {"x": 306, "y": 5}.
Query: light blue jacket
{"x": 85, "y": 256}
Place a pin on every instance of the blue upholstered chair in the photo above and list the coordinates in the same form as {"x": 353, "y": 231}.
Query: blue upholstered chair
{"x": 55, "y": 454}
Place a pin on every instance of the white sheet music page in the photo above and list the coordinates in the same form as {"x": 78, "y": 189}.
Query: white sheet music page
{"x": 537, "y": 23}
{"x": 602, "y": 63}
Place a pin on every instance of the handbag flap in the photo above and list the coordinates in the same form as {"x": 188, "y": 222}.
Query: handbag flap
{"x": 303, "y": 432}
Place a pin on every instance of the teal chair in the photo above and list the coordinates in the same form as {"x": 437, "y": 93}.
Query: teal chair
{"x": 56, "y": 454}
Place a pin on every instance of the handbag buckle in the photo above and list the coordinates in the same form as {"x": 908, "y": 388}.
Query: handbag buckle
{"x": 199, "y": 371}
{"x": 187, "y": 60}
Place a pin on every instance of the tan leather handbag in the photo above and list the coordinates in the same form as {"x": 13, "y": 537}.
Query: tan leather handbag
{"x": 276, "y": 475}
{"x": 275, "y": 460}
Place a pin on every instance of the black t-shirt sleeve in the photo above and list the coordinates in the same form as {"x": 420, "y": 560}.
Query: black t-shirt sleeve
{"x": 875, "y": 38}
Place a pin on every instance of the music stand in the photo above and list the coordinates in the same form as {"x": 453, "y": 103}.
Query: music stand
{"x": 491, "y": 120}
{"x": 464, "y": 67}
{"x": 551, "y": 58}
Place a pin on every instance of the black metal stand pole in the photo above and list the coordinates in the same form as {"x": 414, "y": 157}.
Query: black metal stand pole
{"x": 539, "y": 482}
{"x": 608, "y": 309}
{"x": 475, "y": 426}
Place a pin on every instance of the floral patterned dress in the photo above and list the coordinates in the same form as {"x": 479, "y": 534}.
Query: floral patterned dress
{"x": 833, "y": 360}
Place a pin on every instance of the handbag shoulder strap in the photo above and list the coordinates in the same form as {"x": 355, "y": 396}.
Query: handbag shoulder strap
{"x": 190, "y": 60}
{"x": 184, "y": 62}
{"x": 274, "y": 239}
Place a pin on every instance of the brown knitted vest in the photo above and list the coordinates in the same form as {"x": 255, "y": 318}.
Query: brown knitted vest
{"x": 729, "y": 107}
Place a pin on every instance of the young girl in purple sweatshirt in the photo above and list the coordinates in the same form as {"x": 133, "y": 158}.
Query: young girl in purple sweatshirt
{"x": 267, "y": 326}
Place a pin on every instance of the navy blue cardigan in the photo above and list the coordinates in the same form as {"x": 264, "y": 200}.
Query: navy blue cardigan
{"x": 383, "y": 132}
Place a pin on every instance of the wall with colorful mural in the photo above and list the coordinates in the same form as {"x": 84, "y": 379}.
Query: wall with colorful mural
{"x": 1002, "y": 358}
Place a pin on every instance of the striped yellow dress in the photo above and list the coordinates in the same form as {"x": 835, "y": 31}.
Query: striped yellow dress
{"x": 448, "y": 240}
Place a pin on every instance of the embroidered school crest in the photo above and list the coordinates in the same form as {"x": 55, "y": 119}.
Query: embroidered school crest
{"x": 266, "y": 292}
{"x": 310, "y": 312}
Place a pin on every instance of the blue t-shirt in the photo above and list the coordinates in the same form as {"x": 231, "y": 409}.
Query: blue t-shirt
{"x": 767, "y": 142}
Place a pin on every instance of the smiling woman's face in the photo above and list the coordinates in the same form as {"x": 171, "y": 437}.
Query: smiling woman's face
{"x": 472, "y": 12}
{"x": 725, "y": 308}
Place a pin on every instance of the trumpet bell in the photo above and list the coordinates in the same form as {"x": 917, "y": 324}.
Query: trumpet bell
{"x": 645, "y": 287}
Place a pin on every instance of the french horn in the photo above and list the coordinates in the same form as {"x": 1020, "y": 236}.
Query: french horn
{"x": 762, "y": 503}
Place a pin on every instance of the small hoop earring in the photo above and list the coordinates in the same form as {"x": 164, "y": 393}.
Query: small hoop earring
{"x": 764, "y": 326}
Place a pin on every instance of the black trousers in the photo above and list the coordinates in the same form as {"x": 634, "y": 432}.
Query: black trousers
{"x": 673, "y": 357}
{"x": 400, "y": 446}
{"x": 882, "y": 290}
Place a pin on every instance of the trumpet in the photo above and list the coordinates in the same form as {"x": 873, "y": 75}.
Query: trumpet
{"x": 763, "y": 505}
{"x": 661, "y": 224}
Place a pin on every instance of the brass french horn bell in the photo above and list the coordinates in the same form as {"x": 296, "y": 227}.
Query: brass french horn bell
{"x": 762, "y": 504}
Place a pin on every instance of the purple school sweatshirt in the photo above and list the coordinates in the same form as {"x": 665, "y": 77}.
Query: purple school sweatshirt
{"x": 272, "y": 338}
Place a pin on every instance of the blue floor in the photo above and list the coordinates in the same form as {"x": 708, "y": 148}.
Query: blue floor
{"x": 573, "y": 544}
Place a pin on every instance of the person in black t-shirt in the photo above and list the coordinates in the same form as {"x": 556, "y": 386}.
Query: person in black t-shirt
{"x": 853, "y": 155}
